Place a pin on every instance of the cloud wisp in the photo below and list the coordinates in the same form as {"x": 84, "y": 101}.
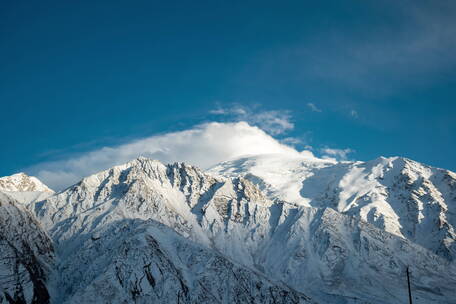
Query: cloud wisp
{"x": 336, "y": 154}
{"x": 204, "y": 145}
{"x": 313, "y": 107}
{"x": 274, "y": 122}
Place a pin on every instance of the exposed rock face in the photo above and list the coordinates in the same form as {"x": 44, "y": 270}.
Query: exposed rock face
{"x": 145, "y": 232}
{"x": 26, "y": 255}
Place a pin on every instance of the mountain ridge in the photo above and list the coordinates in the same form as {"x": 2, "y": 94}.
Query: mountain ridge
{"x": 396, "y": 194}
{"x": 183, "y": 216}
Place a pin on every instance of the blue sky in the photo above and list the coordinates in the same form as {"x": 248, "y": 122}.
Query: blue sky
{"x": 374, "y": 77}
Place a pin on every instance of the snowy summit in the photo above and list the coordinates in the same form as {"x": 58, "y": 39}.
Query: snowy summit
{"x": 21, "y": 182}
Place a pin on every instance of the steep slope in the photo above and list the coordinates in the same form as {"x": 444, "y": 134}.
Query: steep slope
{"x": 26, "y": 255}
{"x": 397, "y": 195}
{"x": 320, "y": 252}
{"x": 146, "y": 262}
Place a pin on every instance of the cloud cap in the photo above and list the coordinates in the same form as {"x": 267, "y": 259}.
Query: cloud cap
{"x": 204, "y": 145}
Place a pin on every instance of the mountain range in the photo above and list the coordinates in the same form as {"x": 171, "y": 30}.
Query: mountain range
{"x": 258, "y": 229}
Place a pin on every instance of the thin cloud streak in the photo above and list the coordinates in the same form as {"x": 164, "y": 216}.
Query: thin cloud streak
{"x": 274, "y": 122}
{"x": 336, "y": 154}
{"x": 313, "y": 107}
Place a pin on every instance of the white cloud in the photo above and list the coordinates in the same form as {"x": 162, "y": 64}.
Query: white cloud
{"x": 218, "y": 111}
{"x": 313, "y": 107}
{"x": 203, "y": 145}
{"x": 234, "y": 110}
{"x": 292, "y": 141}
{"x": 336, "y": 154}
{"x": 273, "y": 122}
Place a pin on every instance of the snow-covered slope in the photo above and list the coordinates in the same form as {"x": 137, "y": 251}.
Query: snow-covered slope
{"x": 146, "y": 231}
{"x": 26, "y": 255}
{"x": 395, "y": 194}
{"x": 133, "y": 232}
{"x": 21, "y": 182}
{"x": 137, "y": 261}
{"x": 28, "y": 197}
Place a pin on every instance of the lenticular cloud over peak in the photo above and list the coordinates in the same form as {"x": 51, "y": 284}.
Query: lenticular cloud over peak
{"x": 204, "y": 145}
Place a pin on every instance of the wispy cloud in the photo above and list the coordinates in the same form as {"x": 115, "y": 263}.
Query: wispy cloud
{"x": 234, "y": 110}
{"x": 292, "y": 141}
{"x": 313, "y": 107}
{"x": 354, "y": 113}
{"x": 274, "y": 122}
{"x": 203, "y": 145}
{"x": 336, "y": 154}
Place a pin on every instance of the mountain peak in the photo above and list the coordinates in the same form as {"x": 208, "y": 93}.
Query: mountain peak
{"x": 21, "y": 182}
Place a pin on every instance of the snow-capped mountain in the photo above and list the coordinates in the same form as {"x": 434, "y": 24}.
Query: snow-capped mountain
{"x": 21, "y": 182}
{"x": 131, "y": 234}
{"x": 26, "y": 255}
{"x": 145, "y": 231}
{"x": 397, "y": 195}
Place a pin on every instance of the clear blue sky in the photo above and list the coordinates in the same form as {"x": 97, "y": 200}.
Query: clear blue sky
{"x": 79, "y": 75}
